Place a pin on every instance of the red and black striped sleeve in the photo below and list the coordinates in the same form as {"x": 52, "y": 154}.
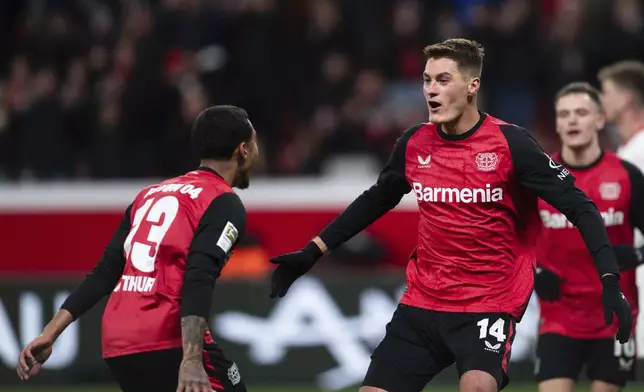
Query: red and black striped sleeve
{"x": 376, "y": 201}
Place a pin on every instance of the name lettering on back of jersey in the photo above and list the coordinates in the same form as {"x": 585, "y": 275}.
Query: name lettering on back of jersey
{"x": 137, "y": 284}
{"x": 228, "y": 237}
{"x": 181, "y": 188}
{"x": 559, "y": 221}
{"x": 486, "y": 161}
{"x": 458, "y": 195}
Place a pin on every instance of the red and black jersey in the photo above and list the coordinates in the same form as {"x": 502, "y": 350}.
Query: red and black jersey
{"x": 183, "y": 227}
{"x": 617, "y": 188}
{"x": 477, "y": 195}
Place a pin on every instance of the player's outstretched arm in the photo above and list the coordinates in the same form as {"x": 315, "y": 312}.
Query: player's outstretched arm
{"x": 221, "y": 227}
{"x": 98, "y": 283}
{"x": 555, "y": 185}
{"x": 383, "y": 196}
{"x": 105, "y": 275}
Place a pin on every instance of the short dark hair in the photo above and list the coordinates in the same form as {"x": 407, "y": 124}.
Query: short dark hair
{"x": 627, "y": 74}
{"x": 219, "y": 130}
{"x": 580, "y": 88}
{"x": 467, "y": 54}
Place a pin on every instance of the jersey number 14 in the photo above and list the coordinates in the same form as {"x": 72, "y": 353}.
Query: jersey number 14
{"x": 496, "y": 330}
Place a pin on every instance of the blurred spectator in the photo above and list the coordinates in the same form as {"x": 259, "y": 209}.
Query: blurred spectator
{"x": 98, "y": 89}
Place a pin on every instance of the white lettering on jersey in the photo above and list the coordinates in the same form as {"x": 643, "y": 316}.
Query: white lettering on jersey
{"x": 137, "y": 284}
{"x": 458, "y": 195}
{"x": 181, "y": 188}
{"x": 563, "y": 172}
{"x": 559, "y": 221}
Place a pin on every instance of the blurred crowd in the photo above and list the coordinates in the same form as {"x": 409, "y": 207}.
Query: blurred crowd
{"x": 108, "y": 89}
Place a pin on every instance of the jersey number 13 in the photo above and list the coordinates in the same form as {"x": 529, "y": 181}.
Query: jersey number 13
{"x": 149, "y": 227}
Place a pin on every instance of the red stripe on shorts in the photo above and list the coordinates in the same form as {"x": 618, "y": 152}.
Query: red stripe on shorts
{"x": 210, "y": 370}
{"x": 508, "y": 347}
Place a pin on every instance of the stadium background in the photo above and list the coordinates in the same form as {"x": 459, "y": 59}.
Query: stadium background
{"x": 96, "y": 101}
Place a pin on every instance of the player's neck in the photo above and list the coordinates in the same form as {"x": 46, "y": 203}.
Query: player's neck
{"x": 224, "y": 168}
{"x": 581, "y": 157}
{"x": 630, "y": 123}
{"x": 463, "y": 123}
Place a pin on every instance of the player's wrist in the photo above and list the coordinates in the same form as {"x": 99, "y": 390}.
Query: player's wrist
{"x": 313, "y": 251}
{"x": 610, "y": 280}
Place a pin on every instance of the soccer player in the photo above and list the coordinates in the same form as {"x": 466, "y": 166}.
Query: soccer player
{"x": 573, "y": 332}
{"x": 477, "y": 180}
{"x": 623, "y": 99}
{"x": 160, "y": 270}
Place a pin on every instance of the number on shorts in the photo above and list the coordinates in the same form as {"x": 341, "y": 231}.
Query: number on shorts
{"x": 626, "y": 350}
{"x": 156, "y": 216}
{"x": 495, "y": 330}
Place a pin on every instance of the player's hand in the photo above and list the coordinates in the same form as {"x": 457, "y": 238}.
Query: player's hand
{"x": 628, "y": 257}
{"x": 615, "y": 302}
{"x": 34, "y": 356}
{"x": 193, "y": 377}
{"x": 291, "y": 266}
{"x": 547, "y": 285}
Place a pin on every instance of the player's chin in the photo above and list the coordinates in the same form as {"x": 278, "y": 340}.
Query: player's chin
{"x": 575, "y": 142}
{"x": 242, "y": 181}
{"x": 440, "y": 117}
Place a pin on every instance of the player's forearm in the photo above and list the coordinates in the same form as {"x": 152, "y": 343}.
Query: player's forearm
{"x": 193, "y": 329}
{"x": 583, "y": 213}
{"x": 58, "y": 324}
{"x": 198, "y": 285}
{"x": 99, "y": 283}
{"x": 366, "y": 209}
{"x": 592, "y": 230}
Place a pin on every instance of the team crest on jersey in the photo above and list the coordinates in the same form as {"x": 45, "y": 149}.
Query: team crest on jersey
{"x": 424, "y": 162}
{"x": 486, "y": 161}
{"x": 610, "y": 190}
{"x": 233, "y": 374}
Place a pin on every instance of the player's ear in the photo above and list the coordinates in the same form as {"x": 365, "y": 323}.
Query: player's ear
{"x": 601, "y": 121}
{"x": 473, "y": 85}
{"x": 243, "y": 150}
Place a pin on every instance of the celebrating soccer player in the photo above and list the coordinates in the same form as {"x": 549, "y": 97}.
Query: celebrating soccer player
{"x": 160, "y": 270}
{"x": 573, "y": 331}
{"x": 477, "y": 180}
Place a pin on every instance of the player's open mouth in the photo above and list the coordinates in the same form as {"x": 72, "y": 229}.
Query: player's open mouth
{"x": 434, "y": 105}
{"x": 573, "y": 132}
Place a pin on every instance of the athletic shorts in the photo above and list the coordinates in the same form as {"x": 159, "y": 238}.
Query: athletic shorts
{"x": 606, "y": 360}
{"x": 420, "y": 343}
{"x": 158, "y": 371}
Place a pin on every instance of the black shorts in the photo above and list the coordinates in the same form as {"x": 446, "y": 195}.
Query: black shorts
{"x": 606, "y": 360}
{"x": 420, "y": 343}
{"x": 158, "y": 371}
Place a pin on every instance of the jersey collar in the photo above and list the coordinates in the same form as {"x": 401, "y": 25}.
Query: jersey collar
{"x": 209, "y": 170}
{"x": 462, "y": 136}
{"x": 582, "y": 167}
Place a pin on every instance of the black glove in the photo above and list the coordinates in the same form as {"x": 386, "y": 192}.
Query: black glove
{"x": 628, "y": 257}
{"x": 547, "y": 284}
{"x": 615, "y": 302}
{"x": 291, "y": 266}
